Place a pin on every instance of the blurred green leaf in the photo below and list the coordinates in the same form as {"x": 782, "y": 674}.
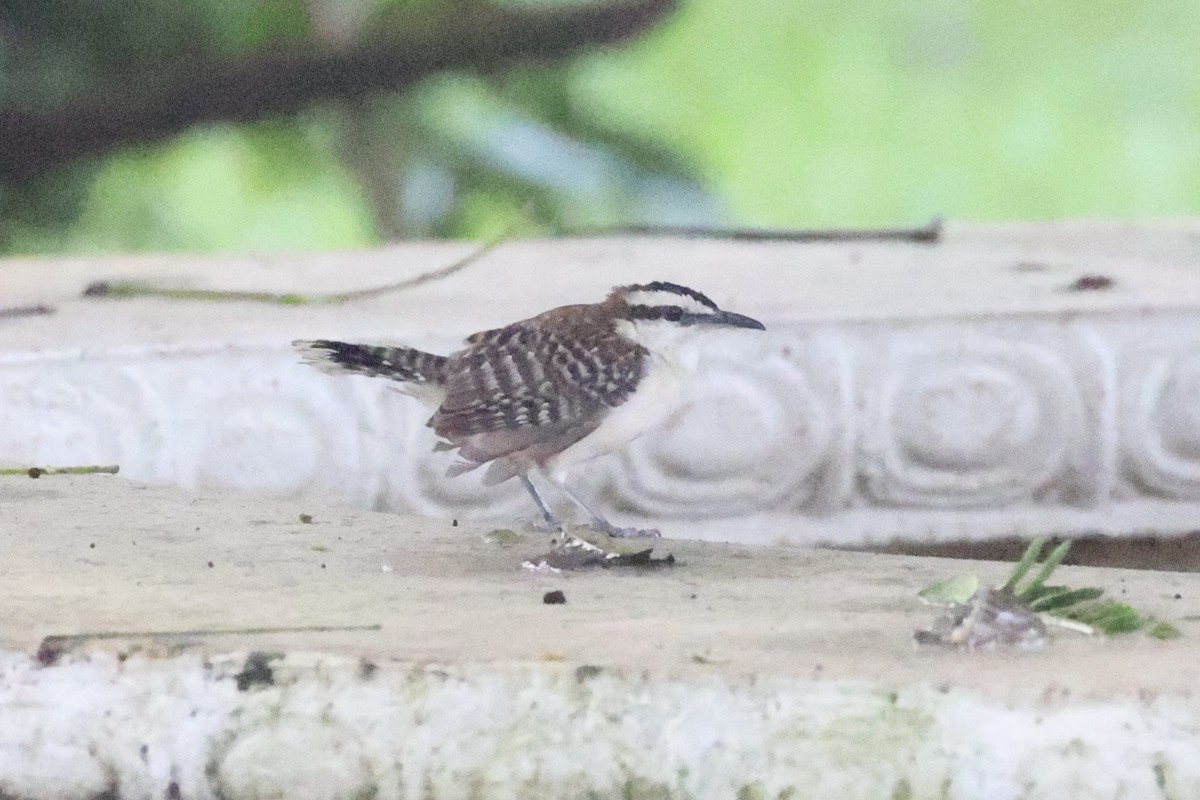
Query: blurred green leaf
{"x": 1107, "y": 616}
{"x": 1032, "y": 552}
{"x": 956, "y": 590}
{"x": 1055, "y": 598}
{"x": 1163, "y": 630}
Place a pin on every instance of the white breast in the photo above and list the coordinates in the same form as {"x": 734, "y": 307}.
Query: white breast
{"x": 658, "y": 398}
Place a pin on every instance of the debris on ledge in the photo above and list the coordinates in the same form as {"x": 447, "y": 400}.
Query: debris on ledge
{"x": 1018, "y": 614}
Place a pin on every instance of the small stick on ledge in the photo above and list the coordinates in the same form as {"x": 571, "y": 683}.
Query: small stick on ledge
{"x": 52, "y": 647}
{"x": 26, "y": 311}
{"x": 37, "y": 472}
{"x": 126, "y": 289}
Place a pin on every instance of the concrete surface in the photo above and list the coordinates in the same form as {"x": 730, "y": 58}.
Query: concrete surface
{"x": 741, "y": 673}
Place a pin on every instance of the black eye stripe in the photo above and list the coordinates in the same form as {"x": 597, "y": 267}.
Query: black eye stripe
{"x": 669, "y": 313}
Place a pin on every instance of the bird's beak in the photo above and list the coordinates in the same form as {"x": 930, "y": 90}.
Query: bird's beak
{"x": 735, "y": 321}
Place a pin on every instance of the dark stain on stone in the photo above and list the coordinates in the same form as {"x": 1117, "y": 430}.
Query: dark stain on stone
{"x": 52, "y": 649}
{"x": 1091, "y": 283}
{"x": 586, "y": 672}
{"x": 257, "y": 671}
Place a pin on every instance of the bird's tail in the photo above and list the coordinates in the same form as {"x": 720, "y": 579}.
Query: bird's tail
{"x": 402, "y": 364}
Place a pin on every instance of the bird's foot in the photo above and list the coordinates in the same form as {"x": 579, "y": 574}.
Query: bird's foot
{"x": 576, "y": 553}
{"x": 570, "y": 552}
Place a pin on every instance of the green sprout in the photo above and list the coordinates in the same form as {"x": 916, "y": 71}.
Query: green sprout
{"x": 1084, "y": 609}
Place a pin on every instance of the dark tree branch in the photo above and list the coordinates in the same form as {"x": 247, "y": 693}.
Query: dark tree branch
{"x": 149, "y": 108}
{"x": 929, "y": 233}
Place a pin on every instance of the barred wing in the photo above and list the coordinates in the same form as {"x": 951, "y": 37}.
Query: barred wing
{"x": 534, "y": 387}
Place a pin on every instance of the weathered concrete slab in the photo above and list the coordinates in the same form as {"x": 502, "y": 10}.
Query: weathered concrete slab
{"x": 967, "y": 390}
{"x": 744, "y": 672}
{"x": 442, "y": 593}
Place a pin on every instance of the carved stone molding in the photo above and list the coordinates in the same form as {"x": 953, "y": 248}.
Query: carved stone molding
{"x": 962, "y": 390}
{"x": 986, "y": 415}
{"x": 1160, "y": 414}
{"x": 768, "y": 427}
{"x": 817, "y": 424}
{"x": 83, "y": 412}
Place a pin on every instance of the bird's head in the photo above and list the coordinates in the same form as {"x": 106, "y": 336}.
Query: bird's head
{"x": 670, "y": 304}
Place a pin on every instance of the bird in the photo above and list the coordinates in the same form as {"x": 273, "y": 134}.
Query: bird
{"x": 542, "y": 396}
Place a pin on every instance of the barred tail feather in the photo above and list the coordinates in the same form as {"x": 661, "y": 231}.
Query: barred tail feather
{"x": 403, "y": 364}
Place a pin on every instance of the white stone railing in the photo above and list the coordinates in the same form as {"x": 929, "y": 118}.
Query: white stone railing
{"x": 956, "y": 391}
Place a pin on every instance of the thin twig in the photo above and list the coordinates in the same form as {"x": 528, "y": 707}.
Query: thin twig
{"x": 202, "y": 632}
{"x": 54, "y": 646}
{"x": 128, "y": 289}
{"x": 26, "y": 311}
{"x": 931, "y": 232}
{"x": 428, "y": 277}
{"x": 37, "y": 472}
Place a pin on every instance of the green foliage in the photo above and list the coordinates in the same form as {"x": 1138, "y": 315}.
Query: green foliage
{"x": 953, "y": 591}
{"x": 1081, "y": 605}
{"x": 787, "y": 114}
{"x": 1057, "y": 598}
{"x": 1163, "y": 630}
{"x": 1028, "y": 560}
{"x": 265, "y": 187}
{"x": 878, "y": 113}
{"x": 1085, "y": 605}
{"x": 57, "y": 50}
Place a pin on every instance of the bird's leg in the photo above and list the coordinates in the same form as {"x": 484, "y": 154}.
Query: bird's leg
{"x": 603, "y": 525}
{"x": 547, "y": 515}
{"x": 567, "y": 552}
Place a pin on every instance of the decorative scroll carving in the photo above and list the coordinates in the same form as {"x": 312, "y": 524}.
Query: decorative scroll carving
{"x": 416, "y": 476}
{"x": 767, "y": 428}
{"x": 960, "y": 419}
{"x": 258, "y": 421}
{"x": 73, "y": 412}
{"x": 793, "y": 426}
{"x": 1161, "y": 417}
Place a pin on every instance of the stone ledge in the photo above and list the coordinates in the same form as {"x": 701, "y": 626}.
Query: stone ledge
{"x": 745, "y": 672}
{"x": 957, "y": 391}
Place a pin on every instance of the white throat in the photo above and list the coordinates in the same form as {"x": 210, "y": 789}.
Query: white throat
{"x": 666, "y": 341}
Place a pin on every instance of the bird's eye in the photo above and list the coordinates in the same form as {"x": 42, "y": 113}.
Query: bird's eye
{"x": 672, "y": 313}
